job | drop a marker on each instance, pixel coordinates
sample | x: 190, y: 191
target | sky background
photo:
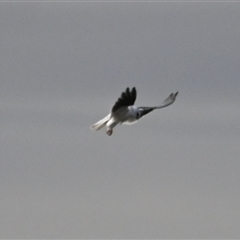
x: 174, y: 174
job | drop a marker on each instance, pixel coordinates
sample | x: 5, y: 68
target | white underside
x: 125, y: 115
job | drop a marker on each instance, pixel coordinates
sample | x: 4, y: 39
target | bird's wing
x: 168, y: 101
x: 127, y: 99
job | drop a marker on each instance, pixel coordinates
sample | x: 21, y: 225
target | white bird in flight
x: 124, y: 111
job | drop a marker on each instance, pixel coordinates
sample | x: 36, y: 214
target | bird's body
x: 124, y: 111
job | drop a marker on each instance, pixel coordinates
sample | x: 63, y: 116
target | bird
x: 125, y: 112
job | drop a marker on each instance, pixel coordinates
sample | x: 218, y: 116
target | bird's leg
x: 109, y: 131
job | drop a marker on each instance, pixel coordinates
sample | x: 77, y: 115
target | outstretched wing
x: 168, y: 101
x: 127, y: 99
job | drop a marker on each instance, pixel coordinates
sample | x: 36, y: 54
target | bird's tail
x: 100, y: 124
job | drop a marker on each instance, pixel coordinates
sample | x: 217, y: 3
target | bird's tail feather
x: 100, y: 124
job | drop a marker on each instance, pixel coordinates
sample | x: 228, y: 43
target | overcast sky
x: 174, y: 174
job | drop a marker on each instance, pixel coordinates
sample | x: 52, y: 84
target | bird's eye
x: 138, y: 115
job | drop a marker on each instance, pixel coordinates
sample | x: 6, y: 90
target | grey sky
x: 174, y: 174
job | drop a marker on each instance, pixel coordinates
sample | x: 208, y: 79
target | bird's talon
x: 109, y: 132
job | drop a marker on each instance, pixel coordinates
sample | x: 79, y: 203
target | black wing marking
x: 145, y: 110
x: 127, y: 99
